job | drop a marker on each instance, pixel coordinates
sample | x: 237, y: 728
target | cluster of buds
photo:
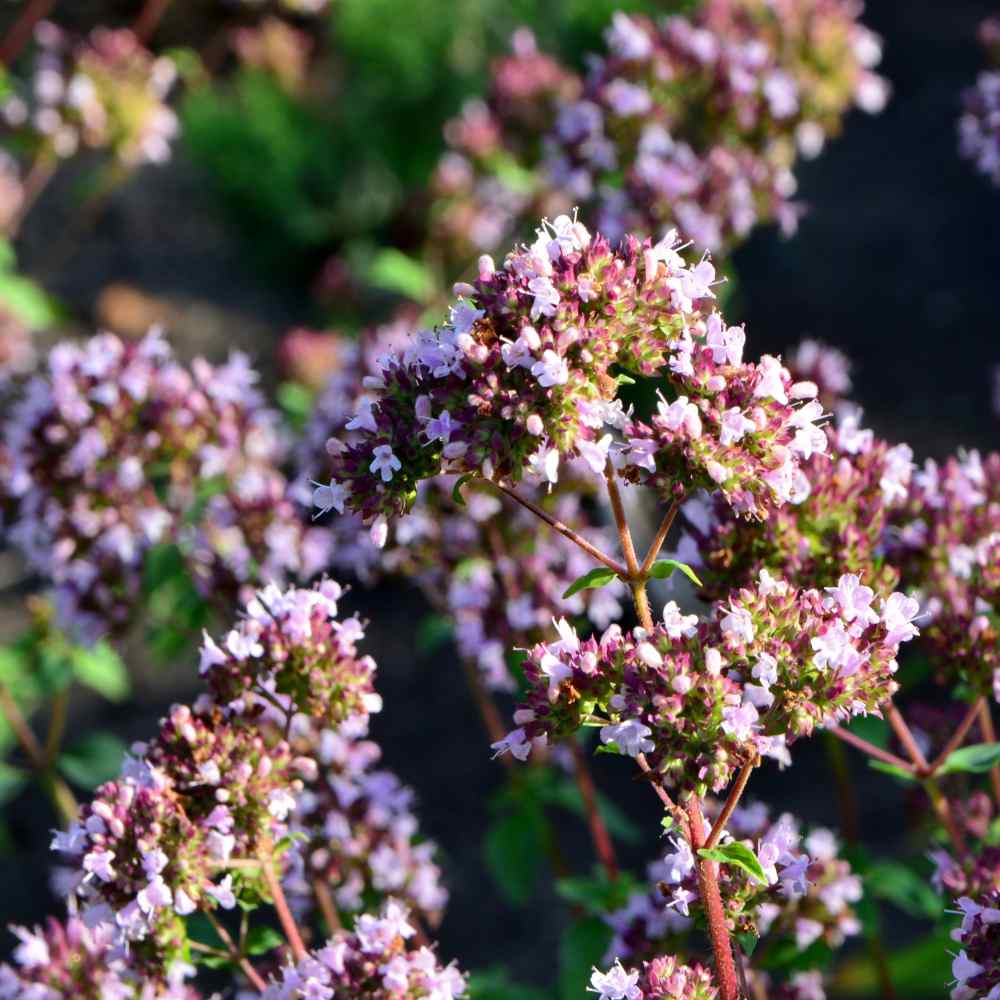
x: 521, y: 379
x: 188, y: 825
x: 947, y: 544
x: 976, y: 967
x: 702, y: 700
x: 359, y: 835
x: 375, y: 961
x: 979, y: 124
x: 74, y: 961
x: 498, y: 579
x: 661, y: 978
x: 807, y: 897
x: 117, y: 448
x: 291, y: 646
x: 107, y: 92
x: 693, y: 122
x: 853, y: 490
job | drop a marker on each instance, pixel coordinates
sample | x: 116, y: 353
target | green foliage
x: 905, y: 888
x: 296, y: 402
x: 96, y: 758
x: 175, y: 610
x: 393, y: 271
x: 595, y: 579
x: 597, y: 894
x: 515, y: 848
x: 664, y: 568
x: 495, y: 984
x: 262, y: 939
x: 919, y: 972
x: 896, y: 772
x: 976, y: 759
x: 581, y: 947
x: 101, y: 669
x: 12, y: 780
x: 29, y: 303
x: 738, y: 854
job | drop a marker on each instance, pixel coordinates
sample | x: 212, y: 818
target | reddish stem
x: 958, y: 737
x: 235, y: 954
x: 19, y: 33
x: 149, y: 19
x: 287, y: 921
x: 905, y: 736
x: 990, y: 736
x: 731, y: 802
x: 563, y: 529
x: 708, y: 886
x: 603, y: 844
x: 661, y: 536
x: 869, y: 748
x: 624, y: 535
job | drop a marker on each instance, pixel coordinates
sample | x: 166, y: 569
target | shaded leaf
x: 581, y: 947
x: 515, y: 848
x: 93, y: 760
x: 262, y: 939
x: 599, y: 577
x: 101, y: 669
x: 976, y: 759
x: 896, y: 772
x: 393, y: 271
x: 904, y: 888
x: 664, y: 568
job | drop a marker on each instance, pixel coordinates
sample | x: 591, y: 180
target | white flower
x: 631, y: 737
x: 551, y: 370
x: 384, y: 462
x: 615, y: 984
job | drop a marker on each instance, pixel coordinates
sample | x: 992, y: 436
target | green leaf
x: 515, y: 847
x: 597, y: 893
x: 599, y: 577
x: 562, y: 791
x: 581, y: 947
x: 918, y: 971
x: 896, y: 772
x: 737, y: 854
x: 432, y: 633
x: 296, y: 402
x: 262, y: 939
x: 748, y: 941
x: 101, y: 669
x: 93, y: 760
x: 394, y: 271
x: 29, y: 303
x: 664, y: 568
x: 872, y: 729
x: 495, y: 984
x: 904, y: 888
x: 456, y: 492
x: 976, y: 759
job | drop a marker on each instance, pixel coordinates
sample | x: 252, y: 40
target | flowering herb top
x: 118, y: 448
x: 701, y: 700
x: 376, y: 961
x: 948, y: 547
x: 663, y: 978
x: 524, y: 376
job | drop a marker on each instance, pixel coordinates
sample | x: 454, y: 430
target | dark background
x: 896, y: 263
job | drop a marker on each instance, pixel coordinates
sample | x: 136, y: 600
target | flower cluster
x: 703, y: 699
x: 361, y: 836
x: 107, y: 92
x: 498, y: 579
x: 522, y: 378
x: 118, y: 448
x: 852, y: 491
x: 808, y: 895
x: 662, y: 978
x: 947, y: 544
x: 373, y: 962
x: 977, y: 966
x: 292, y: 645
x: 692, y: 122
x: 979, y: 124
x: 169, y: 836
x: 74, y: 961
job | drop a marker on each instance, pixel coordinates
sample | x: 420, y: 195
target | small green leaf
x: 515, y: 847
x: 93, y: 760
x: 904, y: 888
x: 976, y: 759
x: 456, y: 492
x: 432, y: 633
x: 738, y: 854
x: 101, y: 669
x: 597, y: 894
x: 599, y: 577
x: 581, y: 947
x: 896, y: 772
x: 664, y: 568
x: 262, y: 939
x: 747, y: 941
x: 394, y: 271
x: 296, y: 402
